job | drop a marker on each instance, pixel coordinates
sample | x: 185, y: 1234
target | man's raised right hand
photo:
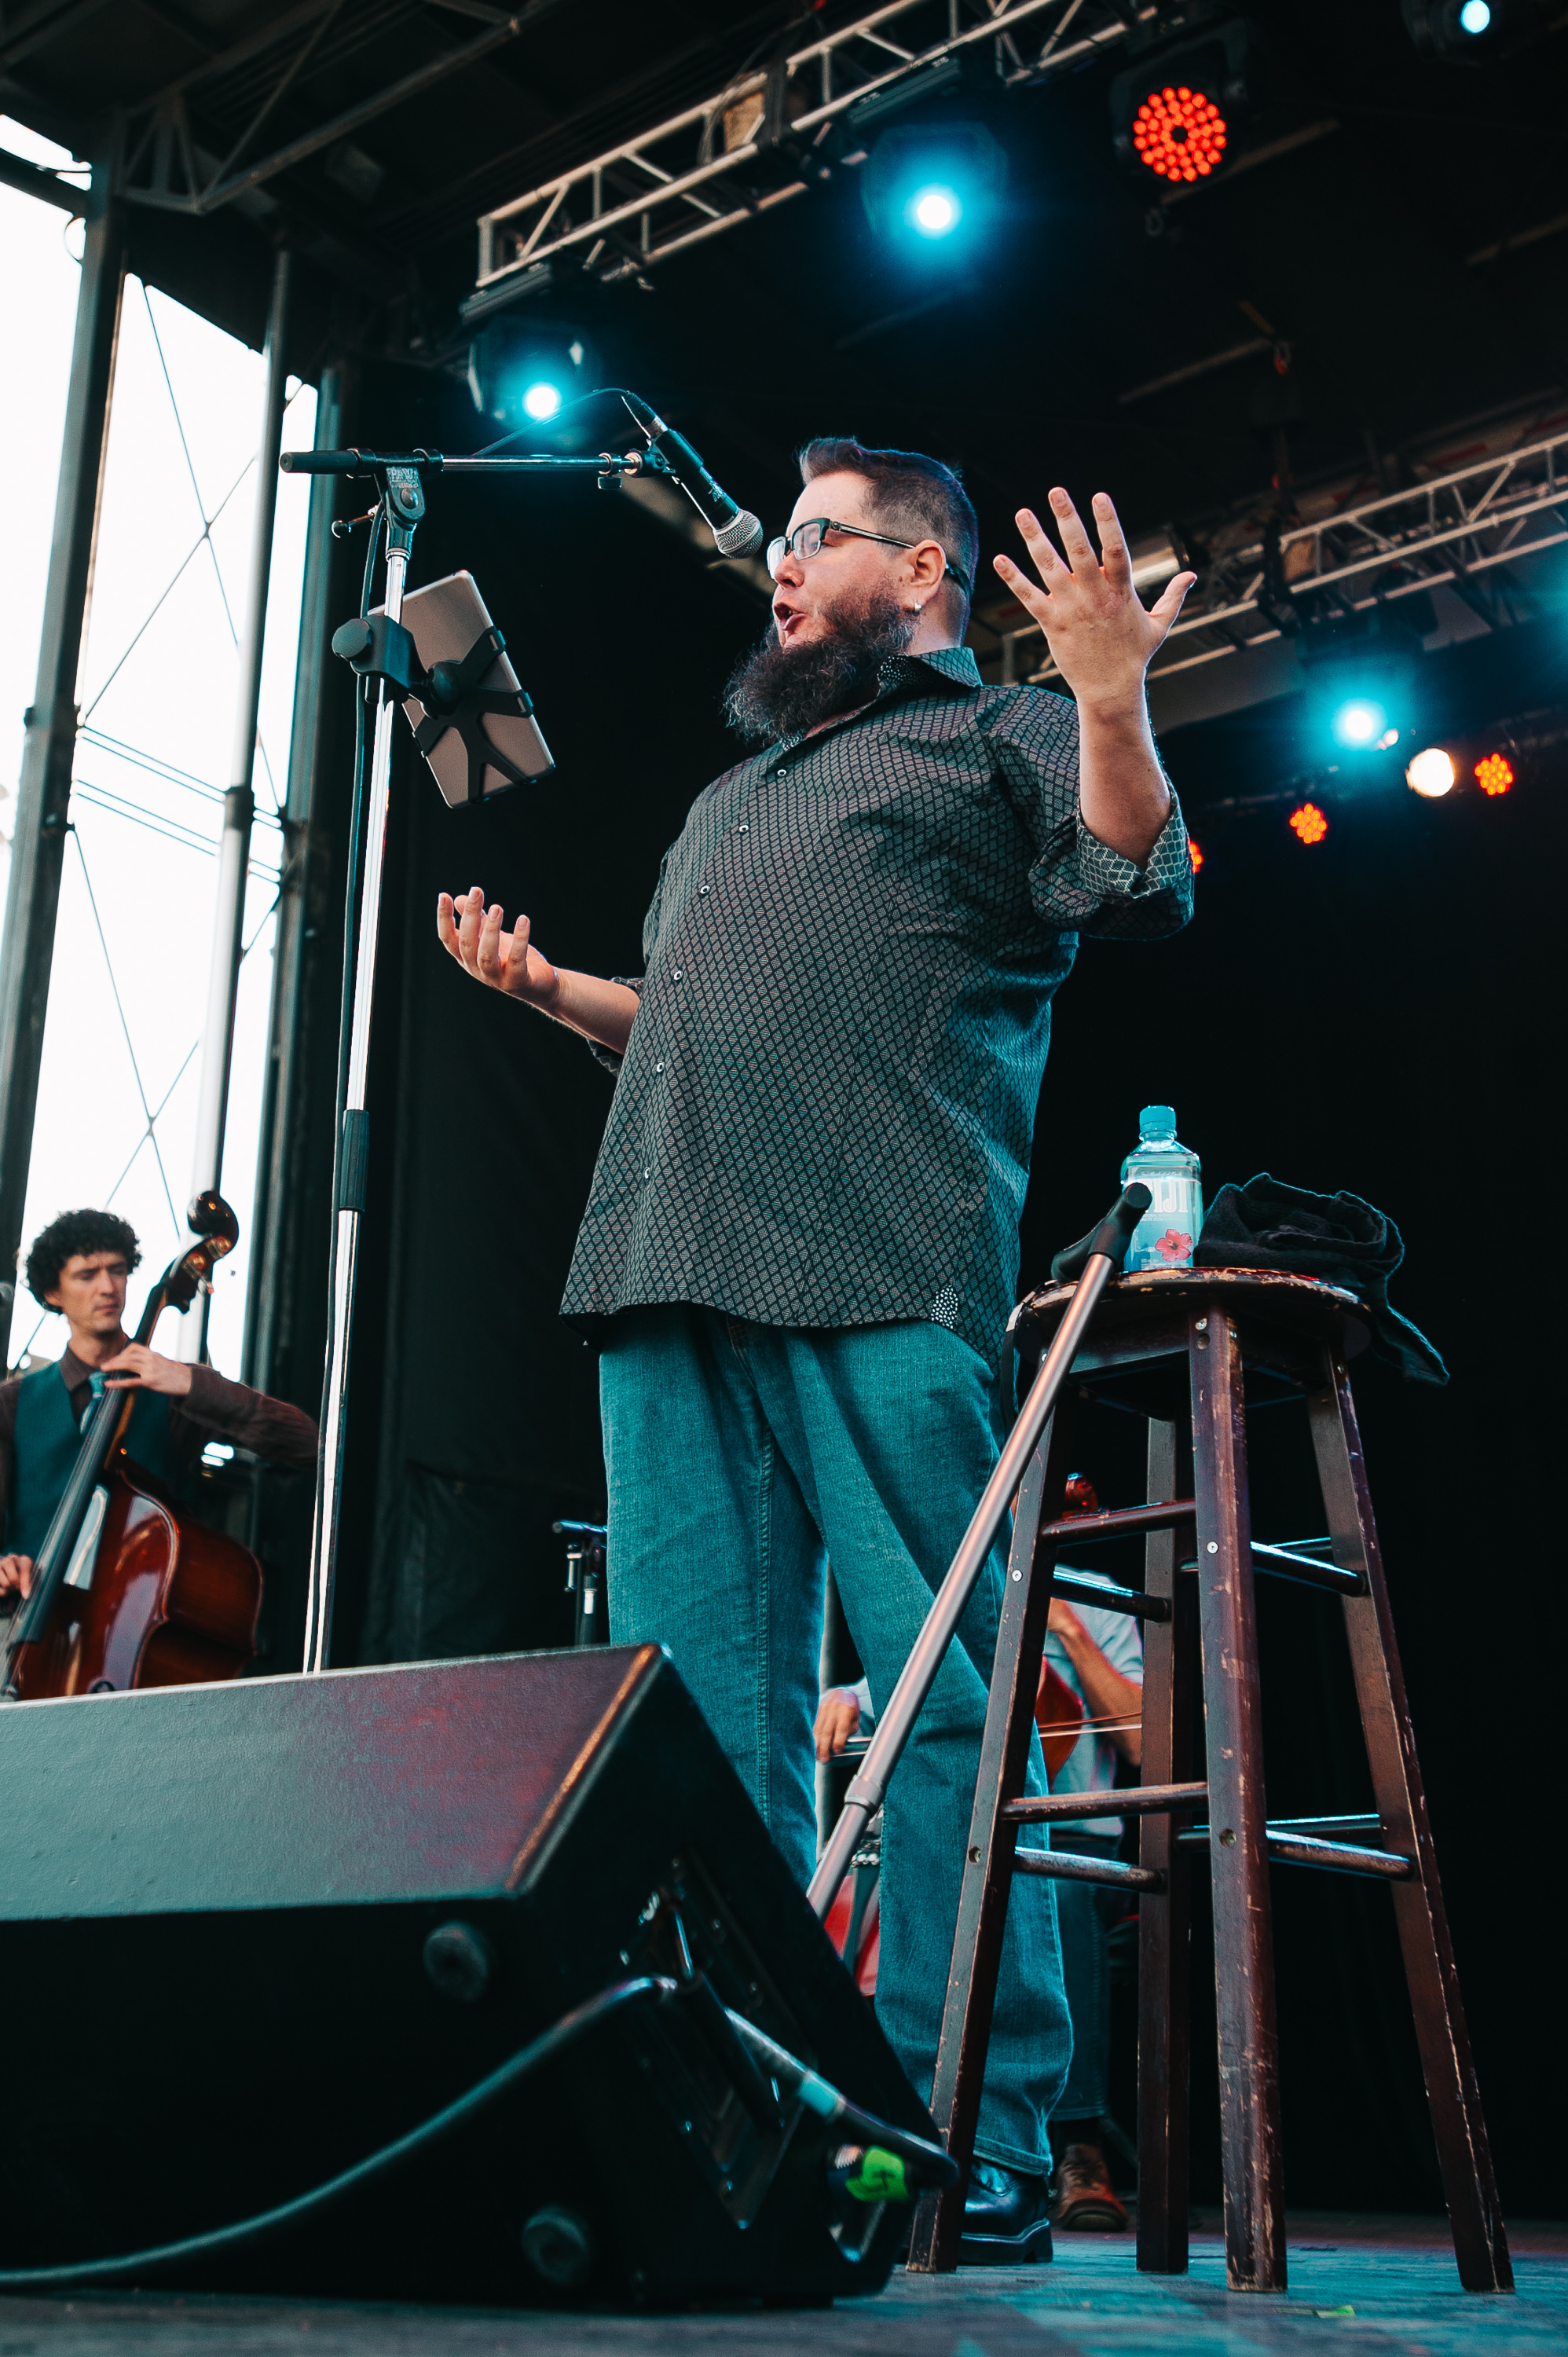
x: 504, y: 962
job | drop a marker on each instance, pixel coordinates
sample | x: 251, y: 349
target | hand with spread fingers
x: 507, y: 961
x: 1101, y: 635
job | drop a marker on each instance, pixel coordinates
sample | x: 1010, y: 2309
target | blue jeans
x: 740, y: 1457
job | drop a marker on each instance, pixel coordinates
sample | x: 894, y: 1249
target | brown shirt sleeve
x: 250, y: 1420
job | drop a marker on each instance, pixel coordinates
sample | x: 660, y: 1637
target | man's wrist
x: 1123, y: 704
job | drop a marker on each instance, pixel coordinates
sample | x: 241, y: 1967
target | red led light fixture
x: 1179, y: 134
x: 1494, y: 774
x: 1194, y: 854
x: 1309, y: 822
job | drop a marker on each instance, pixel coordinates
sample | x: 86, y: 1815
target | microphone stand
x: 399, y: 477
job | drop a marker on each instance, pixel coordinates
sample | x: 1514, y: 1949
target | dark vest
x: 47, y: 1444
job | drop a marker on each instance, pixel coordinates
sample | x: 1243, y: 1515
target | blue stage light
x: 541, y: 399
x: 1359, y: 721
x: 1475, y: 17
x: 935, y: 211
x: 936, y: 185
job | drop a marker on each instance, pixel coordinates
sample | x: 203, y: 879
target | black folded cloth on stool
x: 1338, y: 1239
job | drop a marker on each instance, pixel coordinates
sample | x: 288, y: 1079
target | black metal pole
x: 43, y: 794
x: 240, y: 801
x: 279, y: 1110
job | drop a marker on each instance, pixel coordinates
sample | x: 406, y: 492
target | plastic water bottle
x: 1166, y: 1235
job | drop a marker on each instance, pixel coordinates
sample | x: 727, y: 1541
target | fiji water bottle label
x: 1165, y: 1236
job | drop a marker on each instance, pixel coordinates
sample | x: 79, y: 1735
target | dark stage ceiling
x: 1399, y: 232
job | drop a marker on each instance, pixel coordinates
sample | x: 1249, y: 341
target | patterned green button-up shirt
x: 824, y: 1112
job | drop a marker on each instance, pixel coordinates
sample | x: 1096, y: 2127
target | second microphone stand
x: 400, y: 482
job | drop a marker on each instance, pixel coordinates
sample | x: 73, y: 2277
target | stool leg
x: 1164, y: 1918
x: 988, y: 1860
x: 1480, y: 2243
x: 1243, y: 1939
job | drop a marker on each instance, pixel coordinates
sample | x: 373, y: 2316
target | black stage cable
x: 560, y: 2034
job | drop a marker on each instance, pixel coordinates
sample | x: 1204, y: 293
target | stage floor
x: 1359, y: 2288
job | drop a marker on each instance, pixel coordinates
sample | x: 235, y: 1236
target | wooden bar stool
x: 1190, y: 1348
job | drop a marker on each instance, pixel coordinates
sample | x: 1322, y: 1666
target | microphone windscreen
x: 740, y: 536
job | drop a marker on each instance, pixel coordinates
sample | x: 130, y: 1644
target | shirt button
x: 744, y: 828
x: 679, y: 976
x: 648, y: 1174
x: 659, y: 1068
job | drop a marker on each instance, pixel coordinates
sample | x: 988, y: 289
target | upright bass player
x: 80, y: 1266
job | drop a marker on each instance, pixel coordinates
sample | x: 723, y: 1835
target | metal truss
x: 767, y: 136
x: 238, y: 93
x: 1457, y: 527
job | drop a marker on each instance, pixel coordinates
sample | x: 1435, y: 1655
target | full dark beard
x: 779, y: 691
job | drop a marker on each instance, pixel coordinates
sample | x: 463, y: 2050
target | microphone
x: 736, y: 531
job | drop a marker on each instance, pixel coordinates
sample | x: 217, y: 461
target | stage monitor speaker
x: 252, y: 1934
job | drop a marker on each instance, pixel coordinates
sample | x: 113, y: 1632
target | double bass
x: 128, y: 1588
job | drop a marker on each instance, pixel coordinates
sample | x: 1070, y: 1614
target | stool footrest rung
x: 1134, y: 1801
x: 1083, y: 1529
x: 1283, y: 1562
x: 1286, y: 1847
x: 1130, y: 1600
x: 1064, y: 1865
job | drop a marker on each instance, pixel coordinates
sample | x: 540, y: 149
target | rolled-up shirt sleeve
x: 1076, y: 882
x: 611, y: 1058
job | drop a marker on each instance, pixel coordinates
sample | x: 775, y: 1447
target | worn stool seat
x: 1195, y: 1351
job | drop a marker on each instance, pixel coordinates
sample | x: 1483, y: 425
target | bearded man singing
x: 801, y: 1244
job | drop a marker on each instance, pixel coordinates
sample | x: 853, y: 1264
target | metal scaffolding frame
x: 635, y: 205
x: 1456, y: 527
x: 43, y: 792
x: 275, y: 1141
x: 240, y: 801
x: 240, y: 88
x: 49, y: 785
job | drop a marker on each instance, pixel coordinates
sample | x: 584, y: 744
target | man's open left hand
x: 1101, y: 635
x: 138, y: 1368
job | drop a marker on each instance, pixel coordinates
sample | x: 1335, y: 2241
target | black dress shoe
x: 1007, y: 2221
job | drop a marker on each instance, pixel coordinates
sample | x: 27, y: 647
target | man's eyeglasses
x: 805, y: 541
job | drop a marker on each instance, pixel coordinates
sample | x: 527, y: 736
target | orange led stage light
x: 1179, y: 134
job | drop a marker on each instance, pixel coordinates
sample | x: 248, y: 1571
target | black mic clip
x: 613, y: 471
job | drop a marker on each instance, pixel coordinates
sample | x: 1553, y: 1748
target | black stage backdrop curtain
x: 475, y: 1414
x: 1366, y: 1014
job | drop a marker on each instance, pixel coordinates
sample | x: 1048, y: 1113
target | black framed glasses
x: 806, y: 541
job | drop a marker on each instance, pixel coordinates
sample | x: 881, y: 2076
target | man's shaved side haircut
x: 72, y: 1233
x: 911, y: 495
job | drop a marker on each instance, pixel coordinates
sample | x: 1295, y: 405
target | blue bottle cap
x: 1156, y: 1121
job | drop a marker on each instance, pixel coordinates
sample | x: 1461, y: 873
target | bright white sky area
x: 159, y: 674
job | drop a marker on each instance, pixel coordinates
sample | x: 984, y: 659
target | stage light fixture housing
x: 1180, y: 133
x: 525, y: 371
x: 1172, y: 111
x: 1432, y: 772
x: 932, y: 186
x: 1470, y: 32
x: 1359, y: 673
